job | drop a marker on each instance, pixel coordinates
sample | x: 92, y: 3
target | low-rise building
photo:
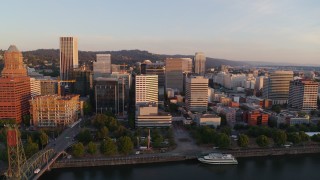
x: 208, y: 120
x: 147, y: 115
x: 298, y: 120
x: 256, y: 118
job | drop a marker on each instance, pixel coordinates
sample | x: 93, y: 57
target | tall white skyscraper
x: 200, y: 63
x: 68, y: 56
x: 102, y: 66
x: 197, y: 93
x: 146, y: 89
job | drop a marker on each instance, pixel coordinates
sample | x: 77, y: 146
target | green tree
x: 280, y: 137
x: 87, y: 108
x: 44, y: 139
x: 243, y: 140
x: 108, y: 147
x: 78, y: 149
x: 7, y: 121
x: 226, y: 130
x: 125, y: 145
x: 30, y: 148
x: 131, y: 119
x: 26, y: 120
x: 304, y: 137
x: 157, y: 142
x: 173, y: 107
x: 92, y: 148
x: 294, y: 138
x: 206, y: 135
x: 276, y: 108
x: 85, y: 136
x: 103, y: 133
x: 316, y: 138
x: 223, y: 140
x: 4, y: 154
x: 262, y: 141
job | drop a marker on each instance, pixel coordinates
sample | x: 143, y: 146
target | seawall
x: 158, y: 158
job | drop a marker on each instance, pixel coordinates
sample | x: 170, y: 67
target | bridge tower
x: 16, y: 156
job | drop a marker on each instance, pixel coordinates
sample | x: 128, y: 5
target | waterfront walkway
x: 169, y: 157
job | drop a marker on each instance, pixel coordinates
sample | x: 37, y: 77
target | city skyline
x: 264, y: 30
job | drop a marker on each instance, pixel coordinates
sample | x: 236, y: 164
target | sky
x: 252, y: 30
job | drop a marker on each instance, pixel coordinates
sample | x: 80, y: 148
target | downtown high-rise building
x: 110, y: 95
x: 200, y: 63
x: 102, y: 65
x: 175, y: 69
x: 14, y: 87
x: 276, y: 86
x: 197, y: 93
x: 303, y: 95
x: 146, y: 89
x: 157, y: 68
x: 68, y: 56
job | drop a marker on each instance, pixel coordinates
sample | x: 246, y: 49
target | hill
x: 49, y: 58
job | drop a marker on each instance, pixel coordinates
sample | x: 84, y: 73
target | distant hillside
x: 49, y: 58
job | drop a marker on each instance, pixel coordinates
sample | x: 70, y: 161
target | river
x: 291, y: 167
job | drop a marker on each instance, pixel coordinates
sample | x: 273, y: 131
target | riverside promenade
x: 173, y: 157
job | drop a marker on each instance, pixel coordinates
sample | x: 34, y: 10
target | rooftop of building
x: 13, y: 48
x: 148, y: 104
x: 209, y: 116
x: 306, y: 81
x: 67, y: 97
x: 282, y: 72
x: 147, y: 61
x: 255, y: 98
x: 106, y: 79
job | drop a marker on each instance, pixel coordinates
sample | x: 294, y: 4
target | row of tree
x: 108, y: 147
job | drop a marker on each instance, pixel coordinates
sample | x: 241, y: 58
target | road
x: 65, y: 140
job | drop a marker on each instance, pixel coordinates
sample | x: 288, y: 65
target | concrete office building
x: 303, y: 95
x: 102, y: 65
x: 68, y: 56
x: 276, y: 86
x: 200, y: 63
x: 48, y: 86
x: 109, y: 95
x: 84, y: 81
x: 146, y: 89
x: 175, y: 69
x: 147, y: 115
x: 15, y: 87
x: 35, y: 87
x: 156, y: 69
x: 197, y: 93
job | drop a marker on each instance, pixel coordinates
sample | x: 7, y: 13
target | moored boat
x: 218, y: 158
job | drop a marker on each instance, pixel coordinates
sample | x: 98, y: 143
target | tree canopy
x: 78, y: 150
x: 125, y: 145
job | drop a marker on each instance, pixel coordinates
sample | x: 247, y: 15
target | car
x: 36, y: 171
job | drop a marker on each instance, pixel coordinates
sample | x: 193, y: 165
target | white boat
x: 218, y: 158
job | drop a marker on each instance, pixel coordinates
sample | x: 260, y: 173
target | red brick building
x: 257, y: 118
x: 14, y: 86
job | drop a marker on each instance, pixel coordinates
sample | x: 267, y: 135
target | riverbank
x: 293, y: 167
x: 159, y: 158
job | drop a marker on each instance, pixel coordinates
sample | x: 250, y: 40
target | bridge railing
x: 36, y: 161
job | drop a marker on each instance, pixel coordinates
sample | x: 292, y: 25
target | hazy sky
x: 255, y: 30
